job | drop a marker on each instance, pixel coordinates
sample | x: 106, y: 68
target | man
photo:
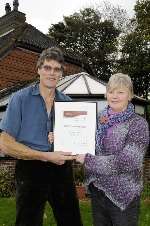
x: 41, y: 174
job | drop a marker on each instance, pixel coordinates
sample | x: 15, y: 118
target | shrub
x: 78, y: 175
x: 146, y: 191
x: 7, y: 184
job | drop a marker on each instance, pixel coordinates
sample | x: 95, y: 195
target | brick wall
x: 70, y: 69
x: 20, y: 65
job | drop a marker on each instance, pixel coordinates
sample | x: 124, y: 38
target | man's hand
x: 51, y: 137
x: 80, y: 158
x: 58, y: 157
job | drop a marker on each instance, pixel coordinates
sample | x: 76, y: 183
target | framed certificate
x: 75, y: 126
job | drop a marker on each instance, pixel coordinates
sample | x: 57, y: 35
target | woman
x: 114, y: 174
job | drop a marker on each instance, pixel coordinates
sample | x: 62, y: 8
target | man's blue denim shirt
x: 26, y: 118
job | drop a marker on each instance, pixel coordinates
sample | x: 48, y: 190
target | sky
x: 42, y: 14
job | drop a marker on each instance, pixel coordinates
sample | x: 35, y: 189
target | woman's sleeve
x: 129, y: 159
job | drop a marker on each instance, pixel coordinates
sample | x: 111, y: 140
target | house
x: 20, y: 45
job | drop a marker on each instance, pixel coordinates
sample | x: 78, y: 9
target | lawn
x: 7, y: 213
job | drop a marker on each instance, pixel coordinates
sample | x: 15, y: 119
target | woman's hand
x: 51, y: 137
x: 80, y: 158
x: 58, y: 157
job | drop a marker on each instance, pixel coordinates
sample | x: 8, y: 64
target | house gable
x: 20, y: 45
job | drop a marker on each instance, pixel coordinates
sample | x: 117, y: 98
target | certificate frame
x: 75, y: 127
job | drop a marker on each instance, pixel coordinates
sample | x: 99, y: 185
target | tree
x: 116, y: 14
x: 136, y: 50
x: 86, y: 34
x: 142, y: 12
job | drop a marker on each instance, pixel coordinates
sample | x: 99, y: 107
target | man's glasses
x: 48, y: 68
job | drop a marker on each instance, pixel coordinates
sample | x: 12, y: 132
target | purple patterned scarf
x: 107, y: 120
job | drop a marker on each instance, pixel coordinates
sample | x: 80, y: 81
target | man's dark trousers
x: 38, y: 182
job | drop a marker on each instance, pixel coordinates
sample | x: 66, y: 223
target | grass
x: 7, y: 213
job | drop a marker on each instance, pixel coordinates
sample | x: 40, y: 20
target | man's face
x: 50, y: 73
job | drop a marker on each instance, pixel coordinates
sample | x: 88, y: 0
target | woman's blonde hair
x: 120, y: 80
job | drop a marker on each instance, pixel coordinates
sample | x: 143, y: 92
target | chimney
x: 12, y: 19
x: 7, y: 8
x: 15, y: 5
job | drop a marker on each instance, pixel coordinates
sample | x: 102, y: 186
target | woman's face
x: 118, y: 98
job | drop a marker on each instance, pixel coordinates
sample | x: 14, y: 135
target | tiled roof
x: 5, y: 38
x: 25, y: 36
x: 7, y: 91
x: 36, y: 38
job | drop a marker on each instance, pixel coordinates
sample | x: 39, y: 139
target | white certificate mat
x: 75, y: 126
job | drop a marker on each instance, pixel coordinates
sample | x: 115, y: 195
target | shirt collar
x: 36, y: 91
